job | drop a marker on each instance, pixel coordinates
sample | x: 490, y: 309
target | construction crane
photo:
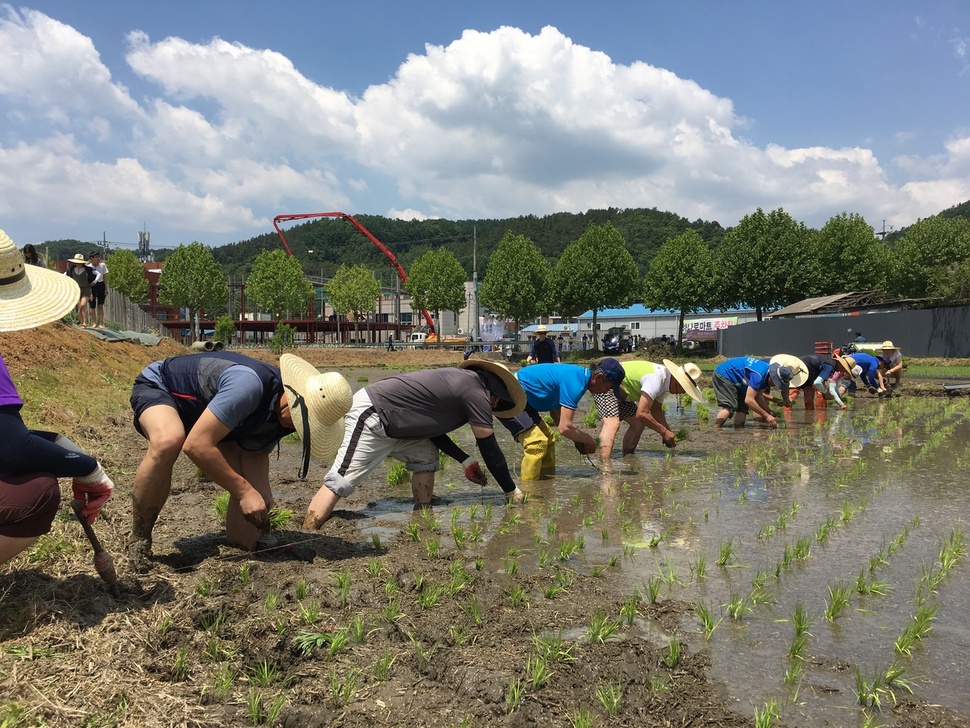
x: 361, y: 229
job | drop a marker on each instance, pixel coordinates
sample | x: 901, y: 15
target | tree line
x: 531, y: 266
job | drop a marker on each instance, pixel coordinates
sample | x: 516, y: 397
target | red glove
x: 473, y: 471
x: 92, y: 495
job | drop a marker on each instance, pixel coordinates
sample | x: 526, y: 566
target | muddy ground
x: 343, y: 627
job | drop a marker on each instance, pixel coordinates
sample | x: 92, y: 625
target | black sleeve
x: 495, y: 462
x: 449, y: 448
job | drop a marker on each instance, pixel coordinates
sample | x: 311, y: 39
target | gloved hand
x: 92, y: 492
x: 473, y: 471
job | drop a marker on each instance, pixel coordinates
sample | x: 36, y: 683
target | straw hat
x: 847, y: 363
x: 78, y: 259
x: 31, y: 295
x: 512, y: 385
x: 889, y: 345
x: 798, y: 369
x: 687, y: 377
x: 541, y: 329
x: 318, y: 402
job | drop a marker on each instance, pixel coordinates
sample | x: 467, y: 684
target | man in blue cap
x: 557, y: 389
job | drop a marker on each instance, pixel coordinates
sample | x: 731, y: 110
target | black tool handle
x: 92, y: 537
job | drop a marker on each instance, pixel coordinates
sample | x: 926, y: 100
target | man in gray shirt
x: 409, y: 416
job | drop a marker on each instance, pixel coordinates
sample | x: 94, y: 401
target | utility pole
x: 475, y: 328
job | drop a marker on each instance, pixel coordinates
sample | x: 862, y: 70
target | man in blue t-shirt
x: 557, y: 389
x: 740, y: 384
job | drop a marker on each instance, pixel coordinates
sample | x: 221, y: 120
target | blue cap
x: 613, y: 372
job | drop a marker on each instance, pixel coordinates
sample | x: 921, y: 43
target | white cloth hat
x: 31, y: 295
x: 508, y: 379
x: 797, y: 366
x: 318, y: 402
x: 687, y: 376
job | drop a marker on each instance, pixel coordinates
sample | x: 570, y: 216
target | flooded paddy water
x: 825, y: 560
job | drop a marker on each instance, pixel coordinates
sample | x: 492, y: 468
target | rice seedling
x: 223, y: 681
x: 919, y: 625
x: 628, y: 610
x: 552, y: 647
x: 280, y: 518
x: 280, y: 624
x: 581, y: 718
x: 510, y: 564
x: 700, y: 566
x: 479, y: 563
x: 542, y: 558
x: 341, y: 691
x: 671, y: 656
x: 432, y: 547
x: 473, y: 610
x: 597, y: 570
x: 726, y: 552
x: 358, y: 629
x: 537, y: 671
x: 474, y: 533
x: 629, y: 550
x: 792, y: 672
x: 737, y: 606
x: 375, y: 542
x: 254, y: 707
x: 838, y: 599
x: 706, y: 617
x: 341, y: 580
x: 488, y: 511
x: 306, y: 642
x: 374, y: 567
x: 391, y: 587
x: 301, y: 589
x: 430, y: 596
x: 180, y: 669
x: 513, y: 695
x: 601, y: 626
x: 338, y: 641
x: 414, y: 531
x: 382, y: 668
x: 221, y: 505
x: 213, y: 621
x: 460, y: 536
x: 564, y: 578
x: 797, y: 646
x: 767, y: 715
x: 264, y: 673
x: 577, y: 500
x: 869, y: 585
x: 244, y: 575
x: 610, y: 696
x: 204, y: 587
x: 430, y: 521
x: 551, y: 591
x: 398, y: 474
x: 517, y: 595
x: 801, y: 620
x: 392, y: 611
x: 458, y: 635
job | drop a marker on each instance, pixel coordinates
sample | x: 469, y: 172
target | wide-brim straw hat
x: 31, y: 295
x: 78, y: 259
x: 889, y: 345
x: 541, y: 329
x: 799, y: 370
x: 508, y: 379
x: 318, y: 402
x: 847, y: 363
x: 687, y: 376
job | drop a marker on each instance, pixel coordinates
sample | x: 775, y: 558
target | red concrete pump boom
x: 361, y: 229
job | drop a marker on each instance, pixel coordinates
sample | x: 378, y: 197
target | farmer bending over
x: 409, y: 416
x: 226, y: 412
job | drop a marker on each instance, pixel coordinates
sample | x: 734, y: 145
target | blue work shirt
x: 745, y: 371
x: 870, y: 365
x: 551, y: 386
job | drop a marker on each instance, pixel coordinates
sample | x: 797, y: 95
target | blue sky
x: 203, y: 120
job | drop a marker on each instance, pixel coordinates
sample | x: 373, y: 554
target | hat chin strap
x: 305, y: 417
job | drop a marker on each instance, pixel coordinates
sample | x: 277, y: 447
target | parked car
x: 611, y: 343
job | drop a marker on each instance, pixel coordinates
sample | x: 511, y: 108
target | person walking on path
x: 81, y: 273
x: 642, y: 403
x: 99, y: 290
x: 226, y: 412
x: 31, y: 461
x: 408, y: 417
x: 544, y: 349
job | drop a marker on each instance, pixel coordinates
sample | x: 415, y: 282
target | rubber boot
x: 535, y: 444
x: 548, y: 466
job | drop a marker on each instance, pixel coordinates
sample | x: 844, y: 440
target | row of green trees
x: 767, y: 261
